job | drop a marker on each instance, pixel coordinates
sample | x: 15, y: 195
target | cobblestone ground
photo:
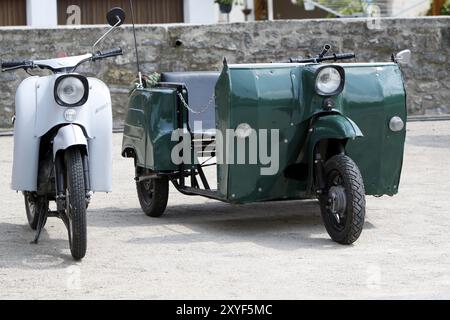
x: 207, y: 249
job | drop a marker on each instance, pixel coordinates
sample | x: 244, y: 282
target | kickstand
x: 41, y: 223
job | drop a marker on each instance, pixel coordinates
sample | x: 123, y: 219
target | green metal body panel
x: 372, y: 96
x: 151, y: 119
x: 283, y: 97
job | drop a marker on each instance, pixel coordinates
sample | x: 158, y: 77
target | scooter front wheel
x: 35, y: 206
x: 343, y: 205
x: 76, y: 204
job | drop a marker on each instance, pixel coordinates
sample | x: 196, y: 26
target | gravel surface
x: 204, y: 249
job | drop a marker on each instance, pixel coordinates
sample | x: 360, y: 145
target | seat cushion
x: 200, y: 86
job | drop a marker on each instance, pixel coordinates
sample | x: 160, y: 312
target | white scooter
x: 63, y: 140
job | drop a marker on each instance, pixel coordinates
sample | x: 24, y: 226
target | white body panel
x: 37, y: 113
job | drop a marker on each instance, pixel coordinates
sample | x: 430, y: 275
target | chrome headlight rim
x: 341, y: 72
x: 83, y: 99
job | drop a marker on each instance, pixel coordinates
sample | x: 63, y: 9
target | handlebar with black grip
x: 108, y: 53
x: 334, y: 57
x: 344, y: 56
x: 16, y: 64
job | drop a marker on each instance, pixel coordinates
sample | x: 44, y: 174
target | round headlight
x: 70, y: 90
x: 329, y: 81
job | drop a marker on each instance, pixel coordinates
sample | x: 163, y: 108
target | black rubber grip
x: 108, y: 53
x: 14, y: 64
x: 340, y: 56
x: 112, y: 52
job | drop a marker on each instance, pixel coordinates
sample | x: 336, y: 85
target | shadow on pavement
x: 16, y: 251
x: 281, y: 225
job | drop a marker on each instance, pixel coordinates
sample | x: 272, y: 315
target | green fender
x: 330, y: 126
x: 334, y: 126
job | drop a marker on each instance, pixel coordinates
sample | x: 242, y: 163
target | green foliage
x: 349, y: 7
x: 226, y: 2
x: 445, y: 10
x: 229, y: 2
x: 149, y: 81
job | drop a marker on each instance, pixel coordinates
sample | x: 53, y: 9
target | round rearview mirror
x: 403, y: 57
x: 115, y: 17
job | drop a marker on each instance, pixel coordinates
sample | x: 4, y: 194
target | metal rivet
x: 293, y: 76
x: 285, y: 140
x: 292, y: 124
x: 259, y: 189
x: 233, y: 195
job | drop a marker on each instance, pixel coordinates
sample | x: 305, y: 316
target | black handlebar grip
x: 108, y: 53
x: 112, y: 52
x: 14, y: 64
x: 345, y: 56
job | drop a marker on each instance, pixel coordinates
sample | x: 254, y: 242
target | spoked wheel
x: 35, y: 206
x: 153, y: 195
x: 343, y: 205
x: 76, y: 204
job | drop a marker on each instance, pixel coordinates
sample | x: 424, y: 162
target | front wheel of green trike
x: 153, y: 194
x: 343, y: 204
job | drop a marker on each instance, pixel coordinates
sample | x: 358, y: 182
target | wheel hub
x: 337, y: 202
x: 148, y: 185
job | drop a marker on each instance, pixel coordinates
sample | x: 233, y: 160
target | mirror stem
x: 108, y: 32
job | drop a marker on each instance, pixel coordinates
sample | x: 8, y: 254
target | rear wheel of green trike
x: 343, y: 203
x: 153, y: 194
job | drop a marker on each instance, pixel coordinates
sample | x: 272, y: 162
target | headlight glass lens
x: 328, y: 80
x: 70, y: 90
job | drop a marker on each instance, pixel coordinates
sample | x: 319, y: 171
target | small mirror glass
x: 115, y: 17
x: 403, y: 57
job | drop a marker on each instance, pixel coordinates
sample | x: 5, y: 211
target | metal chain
x: 192, y: 110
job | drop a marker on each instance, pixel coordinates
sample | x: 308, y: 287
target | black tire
x: 153, y: 195
x: 76, y: 204
x: 35, y: 206
x: 343, y: 205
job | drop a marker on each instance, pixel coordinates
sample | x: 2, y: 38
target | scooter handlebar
x: 17, y: 64
x: 333, y: 57
x: 108, y: 53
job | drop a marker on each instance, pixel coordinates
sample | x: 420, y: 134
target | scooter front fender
x: 334, y: 126
x: 326, y: 127
x: 68, y: 136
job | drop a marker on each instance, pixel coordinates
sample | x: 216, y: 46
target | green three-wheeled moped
x: 299, y: 129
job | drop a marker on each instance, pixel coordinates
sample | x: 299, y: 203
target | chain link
x: 192, y: 110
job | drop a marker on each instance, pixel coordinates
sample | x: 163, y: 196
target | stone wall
x: 204, y: 46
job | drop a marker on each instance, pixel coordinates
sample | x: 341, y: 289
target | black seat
x: 200, y: 86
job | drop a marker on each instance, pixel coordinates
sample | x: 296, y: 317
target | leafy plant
x: 229, y: 2
x: 445, y: 10
x: 348, y: 7
x: 224, y: 2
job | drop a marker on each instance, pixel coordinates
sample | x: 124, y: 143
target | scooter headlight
x: 330, y: 80
x: 71, y: 90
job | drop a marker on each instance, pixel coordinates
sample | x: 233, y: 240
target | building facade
x: 50, y: 13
